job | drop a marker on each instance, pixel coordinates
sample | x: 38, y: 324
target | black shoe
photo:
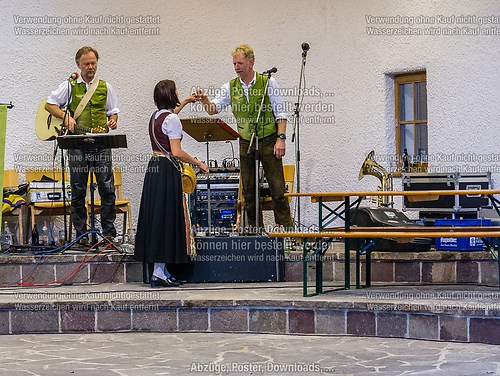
x: 179, y: 281
x: 84, y: 241
x: 110, y: 235
x: 158, y: 282
x: 82, y: 245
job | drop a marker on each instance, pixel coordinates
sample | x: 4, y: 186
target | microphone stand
x: 255, y: 136
x: 63, y: 166
x: 296, y: 128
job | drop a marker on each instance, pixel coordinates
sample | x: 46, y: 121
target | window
x: 411, y: 119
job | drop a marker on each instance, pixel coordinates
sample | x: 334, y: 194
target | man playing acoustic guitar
x: 96, y: 110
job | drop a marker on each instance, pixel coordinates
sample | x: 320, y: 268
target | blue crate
x: 460, y: 244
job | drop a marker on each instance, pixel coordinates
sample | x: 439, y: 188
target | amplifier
x: 48, y: 191
x: 224, y: 189
x: 220, y: 176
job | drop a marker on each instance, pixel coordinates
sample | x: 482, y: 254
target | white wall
x: 193, y: 49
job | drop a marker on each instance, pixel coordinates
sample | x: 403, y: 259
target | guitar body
x: 48, y: 127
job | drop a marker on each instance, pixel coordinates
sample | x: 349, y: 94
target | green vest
x: 245, y: 111
x: 94, y: 114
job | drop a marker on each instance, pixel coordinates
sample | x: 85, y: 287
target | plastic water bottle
x: 55, y: 236
x: 127, y: 246
x: 45, y: 234
x: 7, y: 237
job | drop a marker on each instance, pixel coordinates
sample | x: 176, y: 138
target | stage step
x: 438, y: 267
x: 441, y: 313
x: 28, y: 270
x: 434, y: 267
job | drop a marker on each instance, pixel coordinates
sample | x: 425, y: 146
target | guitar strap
x: 86, y: 98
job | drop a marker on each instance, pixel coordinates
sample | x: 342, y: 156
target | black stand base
x: 94, y: 234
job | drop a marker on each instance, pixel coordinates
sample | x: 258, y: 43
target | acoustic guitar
x: 48, y: 127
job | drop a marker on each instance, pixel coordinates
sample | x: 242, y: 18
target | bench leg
x: 358, y: 271
x: 304, y: 269
x: 368, y: 268
x: 347, y: 264
x: 498, y: 260
x: 319, y: 267
x: 347, y: 242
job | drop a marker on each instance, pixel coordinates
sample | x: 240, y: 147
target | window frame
x: 409, y: 78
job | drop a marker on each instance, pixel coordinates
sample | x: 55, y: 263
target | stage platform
x: 442, y: 296
x: 440, y: 313
x: 435, y: 267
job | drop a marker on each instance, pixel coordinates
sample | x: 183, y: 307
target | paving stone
x: 485, y: 330
x: 439, y: 272
x: 407, y: 272
x: 467, y: 272
x: 453, y: 328
x: 330, y: 322
x: 112, y: 320
x: 38, y: 274
x: 43, y: 319
x: 226, y: 320
x: 193, y: 319
x: 361, y: 323
x: 106, y: 273
x: 10, y: 274
x: 4, y: 322
x: 489, y: 273
x: 69, y: 273
x: 382, y: 271
x: 155, y: 320
x: 423, y: 326
x: 392, y: 325
x: 268, y: 321
x: 82, y: 320
x: 301, y: 321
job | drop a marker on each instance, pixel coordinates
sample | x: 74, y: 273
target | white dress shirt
x: 171, y: 126
x: 59, y: 96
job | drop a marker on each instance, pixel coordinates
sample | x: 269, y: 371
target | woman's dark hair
x: 165, y: 95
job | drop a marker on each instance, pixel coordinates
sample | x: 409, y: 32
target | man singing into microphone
x: 99, y: 114
x: 244, y: 93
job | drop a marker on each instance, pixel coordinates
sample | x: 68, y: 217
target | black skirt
x: 161, y: 228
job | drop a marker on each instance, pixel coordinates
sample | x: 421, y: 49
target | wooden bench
x: 319, y: 247
x: 349, y: 232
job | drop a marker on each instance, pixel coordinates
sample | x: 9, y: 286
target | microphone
x: 305, y: 48
x: 73, y: 76
x: 272, y: 70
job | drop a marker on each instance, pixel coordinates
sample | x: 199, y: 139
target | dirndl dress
x: 161, y: 228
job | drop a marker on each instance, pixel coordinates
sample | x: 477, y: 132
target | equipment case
x: 448, y: 181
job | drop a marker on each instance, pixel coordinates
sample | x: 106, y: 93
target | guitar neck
x: 82, y: 128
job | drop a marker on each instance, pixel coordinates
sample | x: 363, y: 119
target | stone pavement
x: 147, y: 354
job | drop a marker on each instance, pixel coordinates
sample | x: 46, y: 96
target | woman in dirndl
x: 161, y: 230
